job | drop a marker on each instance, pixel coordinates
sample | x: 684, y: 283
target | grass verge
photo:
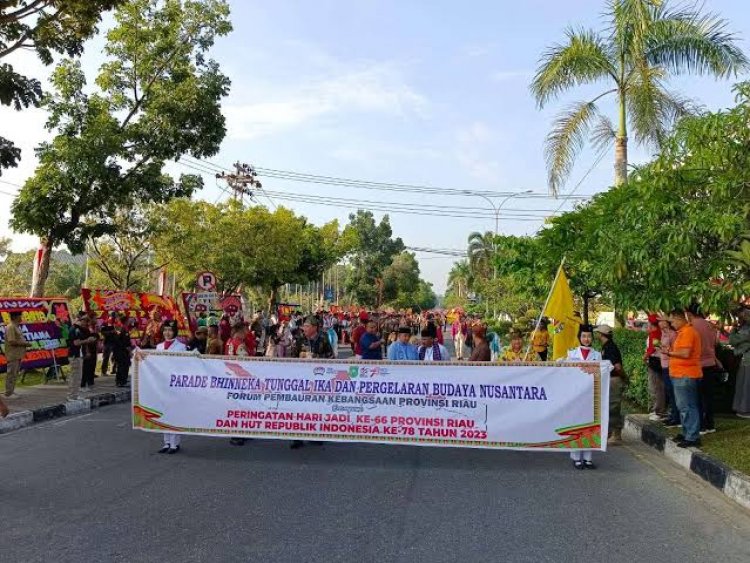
x: 730, y: 443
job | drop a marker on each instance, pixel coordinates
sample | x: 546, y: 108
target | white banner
x: 536, y: 407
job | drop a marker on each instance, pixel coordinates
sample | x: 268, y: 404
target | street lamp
x: 496, y: 208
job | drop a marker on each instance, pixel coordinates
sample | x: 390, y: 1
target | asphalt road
x: 89, y: 488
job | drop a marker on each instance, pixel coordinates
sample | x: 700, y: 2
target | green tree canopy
x: 46, y: 27
x: 244, y: 247
x: 371, y: 250
x: 158, y: 98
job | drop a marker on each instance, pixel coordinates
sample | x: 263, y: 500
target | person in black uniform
x: 121, y: 350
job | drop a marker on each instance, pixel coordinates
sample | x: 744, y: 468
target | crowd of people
x: 680, y: 354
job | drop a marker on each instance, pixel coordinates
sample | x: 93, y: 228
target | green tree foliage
x: 46, y: 27
x: 677, y: 232
x: 158, y: 98
x: 646, y: 42
x: 460, y: 285
x: 371, y: 250
x: 244, y: 247
x: 402, y: 286
x: 671, y: 231
x: 124, y: 260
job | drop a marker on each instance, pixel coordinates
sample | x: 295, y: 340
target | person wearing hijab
x: 171, y: 444
x: 584, y: 353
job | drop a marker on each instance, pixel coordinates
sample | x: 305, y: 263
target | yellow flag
x: 561, y: 309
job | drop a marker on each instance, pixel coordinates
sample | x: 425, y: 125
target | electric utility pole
x: 242, y: 181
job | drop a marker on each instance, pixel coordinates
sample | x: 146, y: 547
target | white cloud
x: 377, y: 88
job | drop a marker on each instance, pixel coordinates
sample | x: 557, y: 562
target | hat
x: 170, y: 324
x: 427, y: 333
x: 606, y: 330
x: 404, y: 330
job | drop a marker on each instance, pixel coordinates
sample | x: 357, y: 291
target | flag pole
x: 546, y: 302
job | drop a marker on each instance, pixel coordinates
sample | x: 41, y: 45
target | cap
x: 604, y: 329
x: 404, y: 330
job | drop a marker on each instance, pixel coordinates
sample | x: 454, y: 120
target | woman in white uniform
x: 170, y: 344
x: 584, y: 353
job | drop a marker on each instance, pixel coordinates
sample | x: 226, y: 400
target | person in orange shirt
x: 685, y: 372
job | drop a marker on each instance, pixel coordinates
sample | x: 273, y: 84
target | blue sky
x: 395, y: 91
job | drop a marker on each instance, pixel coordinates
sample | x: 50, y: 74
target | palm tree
x: 460, y: 279
x: 481, y: 253
x: 643, y: 46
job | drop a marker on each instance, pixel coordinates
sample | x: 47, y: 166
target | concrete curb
x: 48, y: 412
x: 734, y: 484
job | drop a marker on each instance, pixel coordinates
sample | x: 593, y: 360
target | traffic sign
x: 206, y: 281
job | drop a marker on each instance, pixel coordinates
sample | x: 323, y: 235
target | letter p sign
x: 206, y: 281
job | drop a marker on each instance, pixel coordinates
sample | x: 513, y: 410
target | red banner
x: 137, y: 306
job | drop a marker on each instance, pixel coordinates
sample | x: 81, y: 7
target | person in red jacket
x: 357, y: 334
x: 251, y: 342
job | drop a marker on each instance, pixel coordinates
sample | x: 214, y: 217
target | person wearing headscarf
x: 583, y: 353
x: 171, y: 444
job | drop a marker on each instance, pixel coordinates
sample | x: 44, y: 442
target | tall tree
x: 158, y: 98
x: 244, y: 247
x: 645, y: 43
x: 125, y: 258
x: 46, y: 27
x: 372, y: 249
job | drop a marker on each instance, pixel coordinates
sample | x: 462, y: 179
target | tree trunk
x: 272, y: 299
x: 621, y: 146
x: 621, y: 160
x: 41, y: 267
x: 586, y: 299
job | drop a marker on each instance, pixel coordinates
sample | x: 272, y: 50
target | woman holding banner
x: 170, y: 344
x: 584, y: 353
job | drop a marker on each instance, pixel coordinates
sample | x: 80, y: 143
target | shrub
x: 632, y: 344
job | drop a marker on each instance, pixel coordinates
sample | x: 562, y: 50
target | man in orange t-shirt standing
x: 686, y: 373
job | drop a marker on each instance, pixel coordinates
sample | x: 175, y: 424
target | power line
x: 541, y: 213
x: 11, y: 184
x: 391, y: 207
x: 212, y: 167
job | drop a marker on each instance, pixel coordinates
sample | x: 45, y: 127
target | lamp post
x: 496, y: 210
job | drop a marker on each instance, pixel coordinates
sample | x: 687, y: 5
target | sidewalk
x: 44, y: 402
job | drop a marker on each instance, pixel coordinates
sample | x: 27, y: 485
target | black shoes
x: 689, y: 444
x: 578, y: 464
x: 588, y: 464
x: 173, y: 450
x: 164, y: 449
x: 237, y: 441
x: 296, y: 444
